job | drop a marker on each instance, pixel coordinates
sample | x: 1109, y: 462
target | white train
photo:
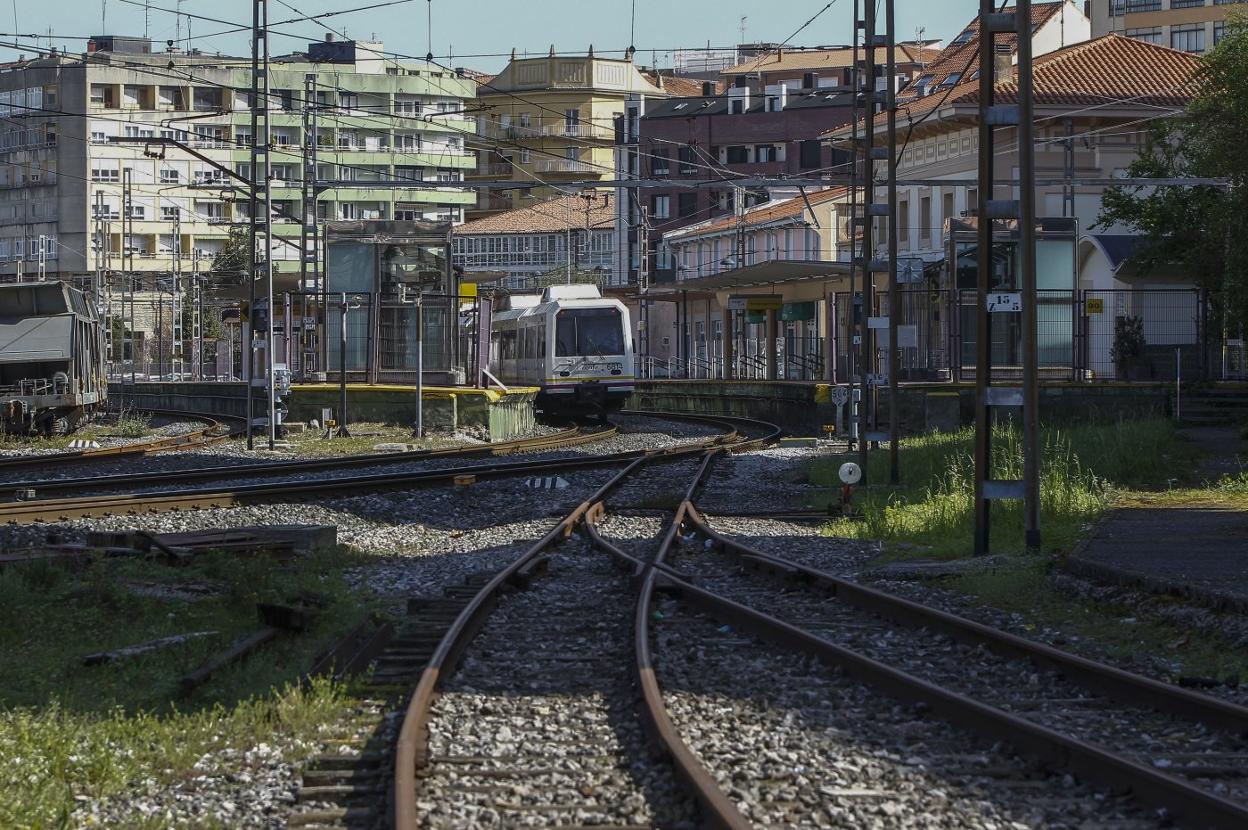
x: 571, y: 343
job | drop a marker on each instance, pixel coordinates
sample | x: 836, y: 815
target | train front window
x: 588, y: 331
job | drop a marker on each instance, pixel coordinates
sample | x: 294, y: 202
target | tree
x: 232, y: 262
x: 1199, y: 229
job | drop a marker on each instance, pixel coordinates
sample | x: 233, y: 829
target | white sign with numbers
x: 1008, y: 301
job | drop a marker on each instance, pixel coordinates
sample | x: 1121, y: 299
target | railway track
x: 564, y: 438
x: 1183, y: 753
x: 38, y: 510
x: 616, y: 783
x: 213, y: 431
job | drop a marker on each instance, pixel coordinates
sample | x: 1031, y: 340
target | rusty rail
x: 718, y: 810
x: 572, y: 436
x: 1180, y: 798
x: 213, y: 431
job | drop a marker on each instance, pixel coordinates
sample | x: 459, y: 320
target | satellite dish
x: 850, y: 473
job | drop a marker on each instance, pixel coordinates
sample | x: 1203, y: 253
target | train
x: 571, y: 343
x: 52, y: 361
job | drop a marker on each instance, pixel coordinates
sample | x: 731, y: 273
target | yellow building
x: 551, y: 120
x: 1186, y: 25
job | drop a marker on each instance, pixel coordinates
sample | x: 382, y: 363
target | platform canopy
x: 765, y: 274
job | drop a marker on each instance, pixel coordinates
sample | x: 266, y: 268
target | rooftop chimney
x: 708, y: 89
x: 1003, y: 62
x: 329, y: 37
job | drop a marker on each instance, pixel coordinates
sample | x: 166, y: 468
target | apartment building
x: 1186, y: 25
x: 716, y: 138
x: 549, y: 120
x: 1131, y: 82
x: 827, y: 68
x: 1053, y: 26
x: 515, y: 248
x: 70, y: 183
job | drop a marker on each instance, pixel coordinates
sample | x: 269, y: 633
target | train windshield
x: 588, y: 331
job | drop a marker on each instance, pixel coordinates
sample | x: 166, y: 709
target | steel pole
x: 270, y: 355
x: 246, y: 331
x: 865, y: 254
x: 983, y: 274
x: 894, y: 297
x: 1027, y: 261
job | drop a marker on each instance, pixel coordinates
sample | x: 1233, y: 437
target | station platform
x: 804, y: 407
x: 503, y: 415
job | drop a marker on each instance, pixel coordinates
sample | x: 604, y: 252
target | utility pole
x: 870, y: 211
x: 308, y: 248
x: 894, y: 296
x: 261, y: 199
x: 176, y: 355
x: 856, y: 381
x: 643, y: 284
x: 127, y: 266
x: 993, y: 299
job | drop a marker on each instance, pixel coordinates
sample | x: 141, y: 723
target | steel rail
x: 210, y: 433
x: 1168, y: 792
x: 411, y: 747
x: 1108, y: 680
x: 573, y: 436
x: 26, y: 512
x: 718, y: 810
x: 51, y: 510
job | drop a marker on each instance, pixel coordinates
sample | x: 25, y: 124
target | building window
x: 1147, y: 35
x: 347, y: 100
x: 737, y: 154
x: 105, y: 174
x: 346, y: 210
x: 136, y: 212
x: 766, y: 152
x: 925, y: 217
x: 1134, y: 6
x: 98, y: 136
x: 1117, y: 8
x: 810, y: 154
x: 685, y: 155
x: 169, y: 213
x: 903, y: 224
x: 1186, y: 4
x: 1188, y: 38
x: 687, y: 204
x: 168, y: 176
x: 659, y: 164
x: 660, y: 207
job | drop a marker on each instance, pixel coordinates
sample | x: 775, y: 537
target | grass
x: 67, y: 730
x: 131, y: 423
x: 310, y: 444
x: 1021, y: 585
x: 1082, y: 468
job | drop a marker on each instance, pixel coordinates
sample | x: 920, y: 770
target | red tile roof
x: 786, y: 60
x: 554, y: 216
x: 765, y: 214
x: 1101, y: 72
x: 679, y: 87
x: 962, y: 55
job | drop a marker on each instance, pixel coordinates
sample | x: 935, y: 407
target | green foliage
x: 1198, y: 230
x: 132, y: 424
x: 233, y: 261
x: 1128, y: 344
x: 559, y: 276
x: 1080, y: 468
x: 67, y: 730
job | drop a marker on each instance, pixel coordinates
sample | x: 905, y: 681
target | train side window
x: 508, y: 345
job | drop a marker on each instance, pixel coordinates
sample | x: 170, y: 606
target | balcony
x: 579, y: 130
x: 501, y: 168
x: 565, y: 166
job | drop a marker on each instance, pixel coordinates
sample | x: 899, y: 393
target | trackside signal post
x: 990, y: 299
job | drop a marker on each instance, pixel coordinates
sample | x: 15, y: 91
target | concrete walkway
x: 1197, y: 549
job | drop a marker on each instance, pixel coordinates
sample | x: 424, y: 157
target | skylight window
x: 951, y: 79
x: 964, y: 37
